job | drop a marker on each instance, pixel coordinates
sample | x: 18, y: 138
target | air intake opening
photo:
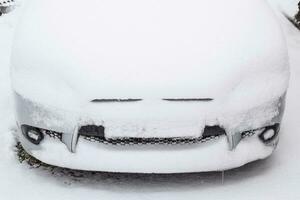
x: 92, y: 131
x: 213, y: 131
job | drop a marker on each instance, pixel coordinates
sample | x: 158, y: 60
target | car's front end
x: 148, y: 95
x: 77, y: 139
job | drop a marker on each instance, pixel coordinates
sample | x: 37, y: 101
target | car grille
x: 158, y: 141
x: 154, y: 141
x: 150, y: 141
x: 52, y: 134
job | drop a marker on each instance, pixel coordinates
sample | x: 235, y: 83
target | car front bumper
x: 72, y: 151
x: 212, y: 156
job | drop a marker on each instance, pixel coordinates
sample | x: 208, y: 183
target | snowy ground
x: 275, y: 178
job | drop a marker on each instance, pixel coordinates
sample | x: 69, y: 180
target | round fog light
x: 34, y: 135
x: 268, y: 134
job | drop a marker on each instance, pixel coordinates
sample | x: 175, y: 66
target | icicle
x: 223, y: 177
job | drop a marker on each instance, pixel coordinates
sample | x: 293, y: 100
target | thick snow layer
x: 275, y: 178
x: 173, y: 49
x: 163, y: 49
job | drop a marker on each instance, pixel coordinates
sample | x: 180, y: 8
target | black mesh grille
x: 52, y: 134
x: 250, y: 133
x: 159, y: 141
x: 150, y: 141
x: 211, y: 133
x: 95, y: 133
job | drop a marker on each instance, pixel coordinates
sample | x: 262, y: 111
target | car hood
x: 115, y: 49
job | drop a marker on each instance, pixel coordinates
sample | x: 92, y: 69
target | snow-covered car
x: 163, y: 86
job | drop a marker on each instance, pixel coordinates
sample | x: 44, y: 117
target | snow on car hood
x: 157, y: 49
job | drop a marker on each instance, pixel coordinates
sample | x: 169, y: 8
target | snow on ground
x: 288, y: 6
x: 275, y: 178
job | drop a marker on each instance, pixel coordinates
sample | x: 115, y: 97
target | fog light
x: 269, y: 134
x: 34, y: 135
